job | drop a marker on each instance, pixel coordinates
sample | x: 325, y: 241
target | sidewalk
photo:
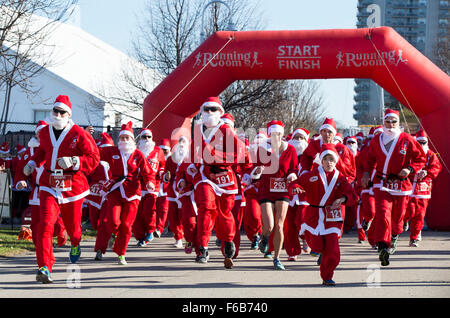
x: 163, y: 271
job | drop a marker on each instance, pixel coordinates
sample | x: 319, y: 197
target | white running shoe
x: 178, y: 244
x: 122, y: 260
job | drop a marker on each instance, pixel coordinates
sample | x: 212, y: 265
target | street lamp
x: 230, y: 27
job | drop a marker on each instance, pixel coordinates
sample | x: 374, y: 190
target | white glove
x: 67, y: 162
x: 29, y: 168
x: 21, y: 185
x: 192, y: 170
x: 150, y: 186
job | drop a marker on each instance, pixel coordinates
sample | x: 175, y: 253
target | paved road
x: 163, y: 271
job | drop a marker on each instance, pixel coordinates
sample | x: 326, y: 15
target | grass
x: 11, y: 246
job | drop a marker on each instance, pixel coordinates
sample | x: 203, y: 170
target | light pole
x: 231, y: 26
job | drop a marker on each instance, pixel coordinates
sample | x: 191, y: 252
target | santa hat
x: 105, y: 140
x: 20, y: 148
x: 4, y: 148
x: 41, y: 124
x: 275, y: 126
x: 338, y: 137
x: 370, y: 135
x: 350, y: 138
x: 165, y: 144
x: 213, y: 102
x: 228, y: 119
x: 127, y: 129
x: 378, y: 129
x: 63, y: 102
x: 392, y: 113
x: 359, y: 135
x: 316, y: 136
x: 328, y: 149
x: 421, y: 135
x: 302, y: 131
x: 329, y: 124
x: 145, y: 132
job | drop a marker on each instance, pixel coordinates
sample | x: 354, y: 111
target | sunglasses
x: 351, y: 142
x: 390, y: 121
x: 210, y: 109
x: 146, y: 137
x: 59, y: 111
x: 423, y: 142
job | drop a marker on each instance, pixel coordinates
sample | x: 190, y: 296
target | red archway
x: 380, y: 54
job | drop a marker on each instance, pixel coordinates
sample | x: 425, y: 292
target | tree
x: 25, y: 25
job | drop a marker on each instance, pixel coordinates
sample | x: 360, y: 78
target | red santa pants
x: 359, y: 220
x: 292, y: 225
x: 103, y: 231
x: 49, y: 214
x: 162, y: 211
x: 417, y: 208
x: 390, y: 210
x: 146, y: 217
x: 350, y: 217
x: 328, y: 246
x: 189, y: 220
x: 94, y: 215
x: 213, y: 208
x: 121, y: 216
x: 175, y: 224
x: 252, y: 215
x: 238, y: 215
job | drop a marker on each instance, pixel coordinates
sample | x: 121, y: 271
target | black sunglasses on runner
x: 210, y: 109
x: 422, y: 142
x: 146, y: 137
x: 390, y: 121
x: 351, y: 142
x: 59, y: 111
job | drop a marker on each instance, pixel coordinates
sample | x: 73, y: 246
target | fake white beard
x: 353, y: 148
x: 58, y: 122
x: 146, y: 146
x: 390, y: 133
x: 179, y: 153
x: 299, y: 145
x: 425, y: 148
x: 210, y: 120
x: 33, y: 142
x: 126, y: 147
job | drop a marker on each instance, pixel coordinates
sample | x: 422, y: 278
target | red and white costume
x: 321, y: 226
x: 391, y: 192
x: 421, y: 195
x: 162, y: 204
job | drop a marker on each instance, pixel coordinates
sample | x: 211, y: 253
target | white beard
x: 58, y: 122
x: 210, y: 120
x: 299, y: 145
x: 425, y: 148
x: 146, y: 146
x: 353, y: 148
x: 179, y: 153
x: 390, y: 133
x: 126, y: 148
x: 33, y: 142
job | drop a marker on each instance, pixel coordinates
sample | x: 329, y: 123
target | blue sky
x: 114, y: 21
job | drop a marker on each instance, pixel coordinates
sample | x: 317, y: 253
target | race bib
x: 96, y: 188
x: 278, y: 185
x: 423, y: 188
x: 394, y: 185
x: 333, y: 215
x: 223, y: 179
x: 60, y: 182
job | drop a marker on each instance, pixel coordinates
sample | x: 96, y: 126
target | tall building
x: 423, y: 23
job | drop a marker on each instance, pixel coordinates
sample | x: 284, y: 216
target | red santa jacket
x: 404, y: 152
x: 126, y: 172
x: 73, y: 141
x: 97, y: 180
x: 33, y: 179
x: 156, y: 161
x: 345, y: 164
x: 322, y: 189
x: 273, y: 183
x: 422, y: 188
x: 213, y: 157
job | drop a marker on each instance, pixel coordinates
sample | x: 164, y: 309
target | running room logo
x: 298, y: 57
x: 231, y: 59
x: 349, y: 59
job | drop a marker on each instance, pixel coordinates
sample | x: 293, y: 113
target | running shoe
x: 305, y: 248
x: 277, y: 264
x: 218, y: 243
x: 149, y: 237
x: 75, y: 252
x: 255, y: 241
x: 157, y: 234
x: 229, y: 249
x: 268, y: 255
x: 314, y: 254
x: 394, y: 239
x: 384, y: 257
x: 419, y: 238
x: 292, y: 258
x: 141, y: 243
x: 405, y: 226
x: 263, y: 245
x: 203, y: 255
x: 111, y: 241
x: 414, y: 243
x: 122, y: 260
x: 43, y: 275
x: 98, y: 255
x: 329, y: 282
x: 188, y: 248
x: 319, y: 260
x: 178, y: 244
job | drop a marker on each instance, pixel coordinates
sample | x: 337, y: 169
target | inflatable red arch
x: 380, y: 54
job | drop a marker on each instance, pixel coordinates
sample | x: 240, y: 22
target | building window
x: 41, y: 115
